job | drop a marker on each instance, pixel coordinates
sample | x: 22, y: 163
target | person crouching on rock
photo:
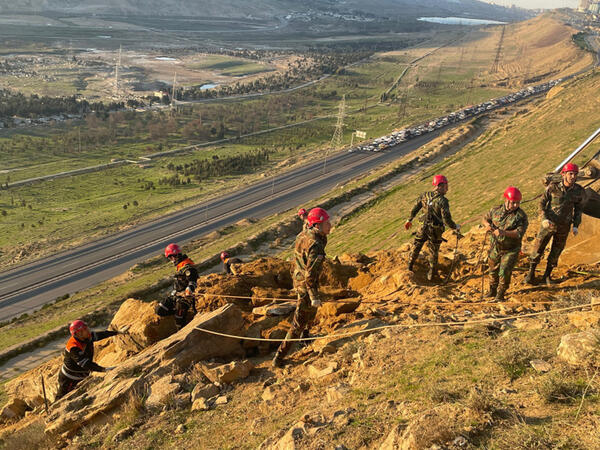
x: 227, y: 263
x: 436, y: 213
x: 79, y: 356
x: 181, y: 299
x: 507, y: 224
x: 309, y: 254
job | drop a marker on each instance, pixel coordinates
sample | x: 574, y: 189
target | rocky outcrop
x: 145, y: 328
x: 99, y: 396
x: 580, y: 349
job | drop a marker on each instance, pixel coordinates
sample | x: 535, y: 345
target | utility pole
x: 173, y: 94
x: 338, y: 134
x: 117, y: 73
x: 496, y: 63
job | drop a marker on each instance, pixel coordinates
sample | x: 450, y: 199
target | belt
x: 64, y: 369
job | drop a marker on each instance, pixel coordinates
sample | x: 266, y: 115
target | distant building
x: 584, y: 5
x: 594, y: 8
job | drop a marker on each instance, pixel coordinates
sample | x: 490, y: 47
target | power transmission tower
x: 173, y: 93
x: 496, y: 63
x: 338, y: 134
x: 117, y: 66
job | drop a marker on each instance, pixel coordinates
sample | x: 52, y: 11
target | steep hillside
x: 518, y: 152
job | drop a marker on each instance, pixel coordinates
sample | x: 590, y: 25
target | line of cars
x: 399, y: 136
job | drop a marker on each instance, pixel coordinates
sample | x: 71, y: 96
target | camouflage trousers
x: 501, y: 265
x: 304, y: 317
x: 559, y: 240
x: 432, y: 235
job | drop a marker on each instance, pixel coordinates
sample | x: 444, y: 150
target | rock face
x: 584, y: 319
x: 14, y: 409
x: 162, y: 390
x: 580, y: 349
x: 28, y: 386
x: 280, y: 309
x: 97, y: 396
x: 145, y: 328
x: 227, y: 373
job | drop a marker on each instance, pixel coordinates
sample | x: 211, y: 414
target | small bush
x: 514, y: 358
x: 558, y: 388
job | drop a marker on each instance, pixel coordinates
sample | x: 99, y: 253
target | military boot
x: 278, y: 361
x: 547, y: 278
x: 492, y: 292
x: 530, y: 277
x: 500, y: 293
x: 432, y: 275
x: 414, y: 255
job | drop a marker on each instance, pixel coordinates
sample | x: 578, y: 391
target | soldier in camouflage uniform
x: 560, y: 207
x: 181, y: 299
x: 436, y: 213
x: 507, y: 223
x: 303, y: 214
x: 309, y: 254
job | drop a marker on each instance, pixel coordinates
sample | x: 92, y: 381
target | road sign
x: 361, y: 134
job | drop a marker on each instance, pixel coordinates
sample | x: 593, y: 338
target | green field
x: 230, y: 66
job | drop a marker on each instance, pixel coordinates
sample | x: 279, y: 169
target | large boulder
x: 145, y: 328
x: 97, y: 397
x: 227, y: 373
x: 28, y: 386
x: 580, y: 349
x: 14, y: 410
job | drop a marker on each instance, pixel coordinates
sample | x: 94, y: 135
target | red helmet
x: 439, y: 179
x: 317, y: 215
x: 76, y: 326
x: 224, y: 256
x: 302, y: 212
x: 513, y: 194
x: 570, y: 167
x: 172, y: 250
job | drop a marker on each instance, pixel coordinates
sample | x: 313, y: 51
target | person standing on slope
x: 507, y: 224
x: 436, y: 213
x: 303, y: 214
x: 227, y: 263
x: 181, y: 299
x: 309, y: 254
x: 78, y: 356
x: 560, y: 207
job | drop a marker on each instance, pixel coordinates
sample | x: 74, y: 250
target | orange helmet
x: 439, y: 179
x: 513, y: 194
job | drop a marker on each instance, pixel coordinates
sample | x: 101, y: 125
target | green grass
x: 518, y: 152
x: 230, y: 66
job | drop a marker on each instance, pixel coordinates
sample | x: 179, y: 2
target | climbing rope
x: 416, y: 325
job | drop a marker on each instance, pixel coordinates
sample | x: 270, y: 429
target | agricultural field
x: 44, y: 217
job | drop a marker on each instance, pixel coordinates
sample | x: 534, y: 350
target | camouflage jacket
x: 562, y: 205
x: 309, y: 254
x: 436, y: 210
x: 505, y: 220
x: 186, y: 275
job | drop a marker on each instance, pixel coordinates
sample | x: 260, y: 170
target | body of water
x: 459, y: 21
x: 165, y: 58
x: 208, y: 86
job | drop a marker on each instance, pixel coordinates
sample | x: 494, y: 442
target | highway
x: 30, y: 286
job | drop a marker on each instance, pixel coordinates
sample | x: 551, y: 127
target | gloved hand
x: 407, y: 225
x: 547, y: 224
x: 575, y: 231
x: 123, y: 330
x: 173, y: 293
x: 188, y: 291
x: 315, y: 302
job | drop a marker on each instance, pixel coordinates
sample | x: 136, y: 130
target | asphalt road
x: 28, y: 287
